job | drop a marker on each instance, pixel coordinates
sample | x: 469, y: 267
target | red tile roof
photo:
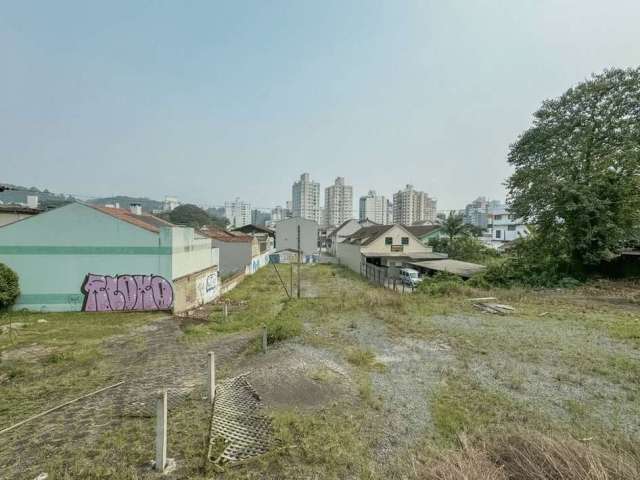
x: 146, y: 221
x: 224, y: 235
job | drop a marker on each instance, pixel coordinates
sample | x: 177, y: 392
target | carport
x: 457, y: 267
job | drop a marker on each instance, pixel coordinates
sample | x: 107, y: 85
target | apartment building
x: 238, y: 213
x: 411, y: 206
x: 338, y: 202
x: 305, y: 196
x: 375, y: 208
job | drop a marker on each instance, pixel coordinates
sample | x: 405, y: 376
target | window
x: 497, y: 217
x: 405, y: 240
x: 511, y: 228
x: 388, y: 240
x: 498, y: 232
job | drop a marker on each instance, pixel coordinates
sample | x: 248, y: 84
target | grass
x: 562, y: 367
x: 57, y: 359
x: 462, y: 405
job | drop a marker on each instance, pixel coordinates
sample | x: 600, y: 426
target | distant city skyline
x: 220, y: 100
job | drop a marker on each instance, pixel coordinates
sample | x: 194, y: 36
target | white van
x: 410, y: 277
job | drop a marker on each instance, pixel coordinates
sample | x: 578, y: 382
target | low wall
x: 193, y: 290
x: 232, y: 282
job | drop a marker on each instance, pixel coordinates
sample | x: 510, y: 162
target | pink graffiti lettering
x: 96, y: 298
x: 104, y: 293
x: 127, y: 286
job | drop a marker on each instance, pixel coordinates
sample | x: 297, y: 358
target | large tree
x: 577, y: 169
x: 193, y: 216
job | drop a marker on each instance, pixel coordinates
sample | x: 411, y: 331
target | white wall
x: 190, y: 253
x: 234, y: 256
x: 287, y: 235
x: 349, y: 255
x: 396, y: 233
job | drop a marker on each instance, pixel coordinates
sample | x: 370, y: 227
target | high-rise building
x: 476, y: 213
x: 260, y: 217
x: 338, y: 202
x: 238, y: 213
x: 305, y: 198
x: 376, y: 208
x: 411, y: 206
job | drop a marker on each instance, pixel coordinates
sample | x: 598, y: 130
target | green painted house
x: 426, y: 232
x: 83, y: 257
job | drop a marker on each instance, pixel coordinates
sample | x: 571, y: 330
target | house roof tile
x: 146, y: 221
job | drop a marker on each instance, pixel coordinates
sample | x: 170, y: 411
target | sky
x: 210, y: 100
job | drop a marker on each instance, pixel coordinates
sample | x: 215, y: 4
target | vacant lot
x: 361, y: 382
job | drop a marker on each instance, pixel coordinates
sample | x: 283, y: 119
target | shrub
x: 442, y: 283
x: 465, y: 248
x: 531, y: 262
x: 9, y: 288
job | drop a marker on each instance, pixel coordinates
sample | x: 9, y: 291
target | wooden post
x: 264, y: 338
x: 225, y: 310
x: 161, y: 432
x: 211, y: 378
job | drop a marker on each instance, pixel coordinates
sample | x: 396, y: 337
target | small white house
x: 344, y: 230
x: 503, y: 227
x: 386, y: 246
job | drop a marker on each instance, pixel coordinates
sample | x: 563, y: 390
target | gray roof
x: 464, y: 269
x: 366, y: 235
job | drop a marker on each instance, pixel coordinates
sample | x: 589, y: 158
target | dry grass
x: 533, y: 456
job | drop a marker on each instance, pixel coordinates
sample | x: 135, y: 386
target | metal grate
x: 238, y: 429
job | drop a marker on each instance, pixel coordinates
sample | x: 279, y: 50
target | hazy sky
x: 212, y: 100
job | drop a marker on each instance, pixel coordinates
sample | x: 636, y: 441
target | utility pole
x: 299, y: 255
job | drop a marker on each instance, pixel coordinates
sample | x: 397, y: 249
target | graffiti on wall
x: 211, y: 282
x: 104, y: 293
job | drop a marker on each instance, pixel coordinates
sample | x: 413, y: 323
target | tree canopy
x: 193, y: 216
x: 577, y: 169
x: 454, y: 225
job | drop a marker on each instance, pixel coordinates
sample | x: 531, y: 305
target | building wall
x: 10, y: 217
x: 347, y: 230
x: 234, y: 256
x: 53, y: 252
x: 190, y: 252
x: 349, y: 255
x: 287, y: 235
x: 196, y: 289
x: 259, y: 261
x: 58, y: 253
x: 396, y: 233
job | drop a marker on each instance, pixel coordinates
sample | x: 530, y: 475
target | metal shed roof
x: 464, y: 269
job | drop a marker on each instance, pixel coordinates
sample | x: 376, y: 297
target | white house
x: 388, y: 246
x: 503, y: 227
x: 344, y: 230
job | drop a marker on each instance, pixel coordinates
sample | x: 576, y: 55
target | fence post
x: 161, y: 432
x: 264, y: 338
x: 225, y: 309
x: 211, y: 378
